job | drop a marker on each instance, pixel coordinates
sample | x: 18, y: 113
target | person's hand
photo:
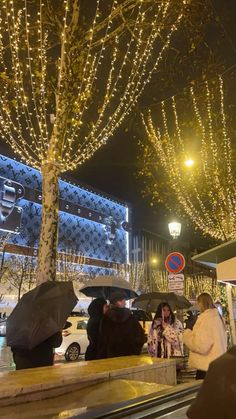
x: 156, y: 324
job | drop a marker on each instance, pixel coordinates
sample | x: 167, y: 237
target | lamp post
x: 174, y: 229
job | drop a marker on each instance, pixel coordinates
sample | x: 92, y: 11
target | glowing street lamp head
x: 189, y: 162
x: 154, y: 261
x: 174, y: 229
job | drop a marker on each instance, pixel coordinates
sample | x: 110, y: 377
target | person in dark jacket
x: 216, y: 398
x: 96, y: 310
x: 120, y: 332
x: 40, y: 356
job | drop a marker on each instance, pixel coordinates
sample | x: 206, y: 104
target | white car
x: 3, y: 328
x: 75, y: 340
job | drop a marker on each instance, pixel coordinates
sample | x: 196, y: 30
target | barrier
x: 42, y: 383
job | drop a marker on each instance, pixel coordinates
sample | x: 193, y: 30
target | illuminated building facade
x: 90, y: 223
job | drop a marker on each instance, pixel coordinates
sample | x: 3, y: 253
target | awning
x: 217, y: 254
x: 223, y: 258
x: 226, y: 271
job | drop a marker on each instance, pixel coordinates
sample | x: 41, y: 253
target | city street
x: 6, y: 362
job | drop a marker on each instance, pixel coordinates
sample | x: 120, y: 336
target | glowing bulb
x: 189, y: 162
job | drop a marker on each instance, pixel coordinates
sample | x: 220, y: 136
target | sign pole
x: 174, y: 264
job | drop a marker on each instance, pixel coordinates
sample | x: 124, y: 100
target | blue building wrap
x: 90, y: 223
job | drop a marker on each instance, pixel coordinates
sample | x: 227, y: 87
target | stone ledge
x: 41, y: 383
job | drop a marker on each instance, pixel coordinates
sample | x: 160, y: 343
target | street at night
x: 117, y: 209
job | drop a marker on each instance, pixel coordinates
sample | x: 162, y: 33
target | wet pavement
x: 6, y: 361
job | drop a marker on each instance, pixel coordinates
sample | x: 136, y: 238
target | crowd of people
x: 114, y: 331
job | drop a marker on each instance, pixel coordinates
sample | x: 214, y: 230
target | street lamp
x: 152, y: 271
x: 154, y: 261
x: 174, y: 229
x: 189, y: 162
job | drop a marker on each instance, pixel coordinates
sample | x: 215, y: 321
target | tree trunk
x: 21, y: 282
x: 46, y: 269
x: 19, y: 291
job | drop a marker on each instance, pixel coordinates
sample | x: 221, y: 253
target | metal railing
x: 152, y: 406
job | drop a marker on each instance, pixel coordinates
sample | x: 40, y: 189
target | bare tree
x: 70, y: 72
x: 3, y: 243
x: 20, y: 273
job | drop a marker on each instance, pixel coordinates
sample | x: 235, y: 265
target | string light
x: 70, y: 137
x: 205, y: 193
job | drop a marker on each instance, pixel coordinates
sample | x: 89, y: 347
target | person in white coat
x: 164, y: 338
x: 208, y: 340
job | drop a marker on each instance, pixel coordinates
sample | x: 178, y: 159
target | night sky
x: 113, y: 169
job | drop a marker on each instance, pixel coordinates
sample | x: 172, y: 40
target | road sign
x: 175, y: 262
x: 176, y: 283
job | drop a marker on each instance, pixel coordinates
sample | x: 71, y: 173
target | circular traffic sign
x: 175, y: 262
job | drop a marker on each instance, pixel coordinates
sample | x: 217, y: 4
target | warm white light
x: 49, y: 137
x: 174, y: 229
x: 189, y: 162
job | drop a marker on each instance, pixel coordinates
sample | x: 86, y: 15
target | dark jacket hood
x: 95, y: 309
x: 119, y: 315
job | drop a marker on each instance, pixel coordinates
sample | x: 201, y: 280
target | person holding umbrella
x: 34, y: 326
x: 165, y: 335
x: 120, y: 332
x: 40, y: 356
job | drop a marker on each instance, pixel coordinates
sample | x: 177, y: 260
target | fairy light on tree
x: 204, y: 191
x: 68, y: 81
x: 133, y: 273
x: 70, y: 265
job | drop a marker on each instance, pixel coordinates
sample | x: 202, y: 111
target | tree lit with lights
x: 68, y: 80
x: 202, y: 187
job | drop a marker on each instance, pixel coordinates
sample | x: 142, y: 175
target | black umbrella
x: 151, y: 300
x: 104, y: 285
x: 40, y: 313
